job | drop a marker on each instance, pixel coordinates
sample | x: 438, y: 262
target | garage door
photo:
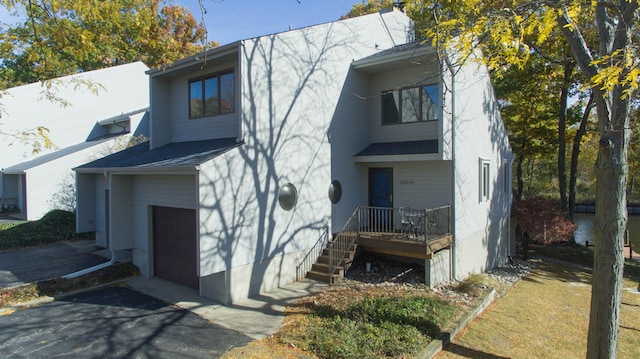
x: 174, y: 245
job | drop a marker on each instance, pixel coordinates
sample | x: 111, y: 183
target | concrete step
x: 323, y: 277
x: 324, y: 268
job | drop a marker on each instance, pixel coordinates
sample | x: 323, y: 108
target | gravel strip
x: 391, y: 274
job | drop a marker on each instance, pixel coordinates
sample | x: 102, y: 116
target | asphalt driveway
x: 40, y: 263
x: 113, y: 322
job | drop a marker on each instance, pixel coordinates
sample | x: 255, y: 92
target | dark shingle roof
x: 179, y: 154
x: 400, y: 148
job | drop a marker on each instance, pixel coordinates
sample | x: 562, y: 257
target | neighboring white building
x: 88, y: 113
x: 229, y: 196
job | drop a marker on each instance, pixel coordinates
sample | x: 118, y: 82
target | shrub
x: 56, y: 225
x: 543, y: 221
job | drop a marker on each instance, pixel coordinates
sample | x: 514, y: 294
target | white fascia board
x: 393, y: 57
x: 13, y: 172
x: 141, y: 171
x: 398, y: 158
x: 209, y: 55
x: 123, y: 117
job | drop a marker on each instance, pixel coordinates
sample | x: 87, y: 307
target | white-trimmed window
x: 485, y: 179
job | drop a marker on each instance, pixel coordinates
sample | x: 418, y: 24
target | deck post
x: 449, y: 230
x: 427, y: 272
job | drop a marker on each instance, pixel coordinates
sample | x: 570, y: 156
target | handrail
x: 343, y: 241
x: 313, y: 254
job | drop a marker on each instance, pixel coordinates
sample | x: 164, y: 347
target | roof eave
x: 140, y: 170
x: 198, y: 58
x: 408, y: 54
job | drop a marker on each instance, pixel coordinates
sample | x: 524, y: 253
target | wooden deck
x: 397, y: 244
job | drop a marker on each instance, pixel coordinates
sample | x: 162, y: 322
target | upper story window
x: 212, y: 95
x: 415, y: 104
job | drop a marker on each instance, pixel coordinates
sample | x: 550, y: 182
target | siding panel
x: 409, y: 77
x: 185, y: 129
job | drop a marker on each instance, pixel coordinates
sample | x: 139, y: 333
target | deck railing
x: 393, y: 223
x: 406, y: 223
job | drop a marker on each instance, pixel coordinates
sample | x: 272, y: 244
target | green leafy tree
x: 609, y: 64
x: 63, y: 37
x: 368, y: 7
x: 529, y: 108
x: 56, y: 38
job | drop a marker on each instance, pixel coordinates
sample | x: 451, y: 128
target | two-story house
x: 84, y: 116
x: 260, y: 150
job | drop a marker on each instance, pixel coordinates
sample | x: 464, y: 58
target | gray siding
x: 86, y: 202
x: 170, y: 110
x: 101, y: 185
x: 163, y: 190
x: 121, y: 217
x: 160, y: 124
x: 409, y: 77
x: 185, y: 129
x: 480, y: 226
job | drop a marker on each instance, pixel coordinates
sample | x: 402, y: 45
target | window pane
x: 211, y: 95
x: 195, y: 99
x: 390, y: 110
x: 410, y: 105
x: 485, y: 181
x: 430, y: 102
x: 227, y: 93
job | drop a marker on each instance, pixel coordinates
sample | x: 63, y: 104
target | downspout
x: 92, y: 269
x: 240, y: 92
x: 452, y: 258
x: 510, y: 194
x: 96, y: 267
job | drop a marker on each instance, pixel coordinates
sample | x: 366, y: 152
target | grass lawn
x: 356, y: 321
x: 545, y: 315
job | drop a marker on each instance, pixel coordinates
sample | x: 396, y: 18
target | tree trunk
x: 609, y: 227
x: 613, y: 110
x: 575, y: 152
x: 520, y: 185
x: 562, y: 128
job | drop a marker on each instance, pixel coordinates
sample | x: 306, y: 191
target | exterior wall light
x: 335, y: 191
x: 288, y: 196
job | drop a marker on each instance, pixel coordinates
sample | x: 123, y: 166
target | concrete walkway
x: 256, y: 317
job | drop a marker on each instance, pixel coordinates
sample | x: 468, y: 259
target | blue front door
x: 380, y: 196
x: 381, y: 187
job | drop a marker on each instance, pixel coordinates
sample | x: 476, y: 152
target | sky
x: 231, y: 20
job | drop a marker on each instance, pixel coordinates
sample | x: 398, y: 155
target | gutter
x: 92, y: 269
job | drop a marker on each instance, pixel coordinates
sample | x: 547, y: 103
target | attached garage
x: 174, y: 245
